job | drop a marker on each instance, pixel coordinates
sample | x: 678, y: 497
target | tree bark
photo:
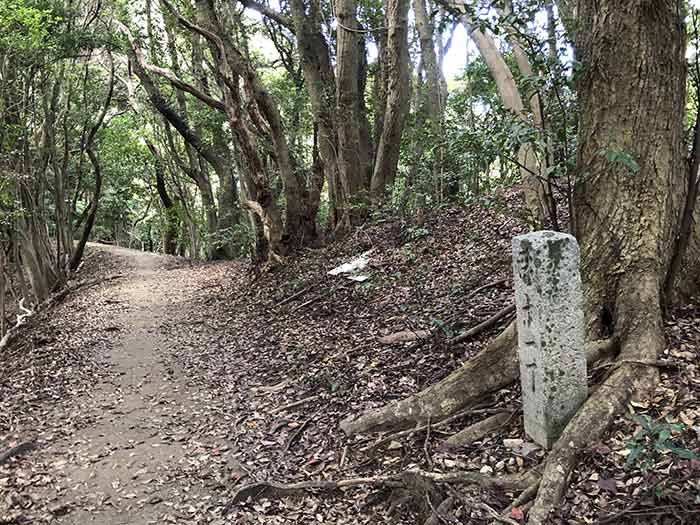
x: 348, y: 119
x: 632, y: 100
x: 77, y: 256
x: 431, y: 102
x: 171, y: 219
x: 320, y: 83
x: 512, y: 100
x: 92, y: 214
x: 398, y: 89
x: 180, y: 123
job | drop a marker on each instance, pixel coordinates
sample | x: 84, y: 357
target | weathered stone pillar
x: 549, y: 305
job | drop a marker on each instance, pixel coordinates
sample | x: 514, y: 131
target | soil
x: 152, y: 396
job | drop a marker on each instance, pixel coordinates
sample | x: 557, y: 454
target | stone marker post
x: 549, y: 305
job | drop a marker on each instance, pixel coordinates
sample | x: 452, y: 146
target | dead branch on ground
x: 403, y: 480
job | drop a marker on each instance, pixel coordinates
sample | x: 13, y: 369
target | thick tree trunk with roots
x: 626, y: 216
x: 625, y: 219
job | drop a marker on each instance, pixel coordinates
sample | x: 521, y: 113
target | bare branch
x: 166, y: 73
x: 269, y: 13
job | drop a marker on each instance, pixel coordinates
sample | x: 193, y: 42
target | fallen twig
x: 428, y: 459
x: 485, y: 287
x: 295, y: 404
x: 59, y: 296
x: 404, y: 479
x: 495, y: 318
x: 293, y: 296
x: 299, y: 431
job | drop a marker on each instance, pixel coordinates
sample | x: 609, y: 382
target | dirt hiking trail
x: 125, y: 444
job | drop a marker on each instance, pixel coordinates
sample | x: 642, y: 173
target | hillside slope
x: 156, y: 395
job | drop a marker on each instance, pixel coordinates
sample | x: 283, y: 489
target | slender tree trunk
x: 320, y: 83
x: 92, y: 214
x: 171, y: 219
x: 398, y: 89
x: 348, y: 120
x: 512, y: 100
x: 431, y: 103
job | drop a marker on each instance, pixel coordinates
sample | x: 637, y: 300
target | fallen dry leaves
x: 252, y: 374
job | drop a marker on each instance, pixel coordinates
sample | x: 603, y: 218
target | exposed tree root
x: 409, y: 480
x: 26, y: 313
x: 588, y: 425
x: 17, y: 450
x: 492, y: 369
x: 524, y: 498
x: 480, y: 429
x: 635, y: 377
x: 405, y: 336
x: 420, y: 428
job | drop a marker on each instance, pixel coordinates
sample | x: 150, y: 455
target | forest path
x: 121, y: 468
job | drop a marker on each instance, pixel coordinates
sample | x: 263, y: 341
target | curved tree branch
x: 270, y: 13
x: 166, y: 73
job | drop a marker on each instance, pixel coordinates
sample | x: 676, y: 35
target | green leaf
x: 663, y: 436
x: 620, y: 157
x: 644, y: 421
x: 635, y: 452
x: 683, y: 453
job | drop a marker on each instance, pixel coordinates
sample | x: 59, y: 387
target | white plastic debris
x: 351, y: 269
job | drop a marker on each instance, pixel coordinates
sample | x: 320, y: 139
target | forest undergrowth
x: 269, y: 364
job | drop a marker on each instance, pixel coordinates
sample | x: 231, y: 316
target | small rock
x: 394, y: 445
x: 512, y: 443
x: 486, y: 470
x: 59, y: 509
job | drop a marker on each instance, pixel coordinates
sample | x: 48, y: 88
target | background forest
x: 229, y: 130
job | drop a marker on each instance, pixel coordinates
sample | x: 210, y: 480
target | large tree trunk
x: 632, y: 101
x: 626, y: 217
